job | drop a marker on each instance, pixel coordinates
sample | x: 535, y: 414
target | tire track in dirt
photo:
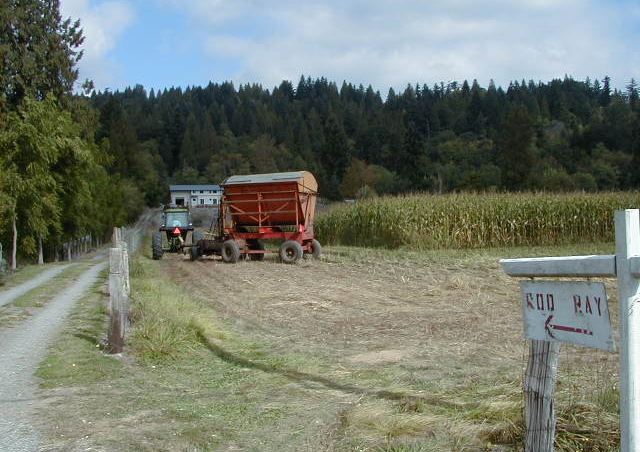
x: 22, y: 348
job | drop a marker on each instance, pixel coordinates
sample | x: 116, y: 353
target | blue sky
x: 384, y: 43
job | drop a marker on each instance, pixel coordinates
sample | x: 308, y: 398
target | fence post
x: 117, y: 300
x: 115, y: 237
x: 628, y: 247
x: 125, y: 268
x: 539, y: 388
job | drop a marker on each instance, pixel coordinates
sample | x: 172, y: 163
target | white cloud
x: 102, y: 25
x: 392, y: 43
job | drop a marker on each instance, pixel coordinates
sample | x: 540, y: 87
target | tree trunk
x: 539, y: 388
x: 14, y: 250
x: 40, y: 253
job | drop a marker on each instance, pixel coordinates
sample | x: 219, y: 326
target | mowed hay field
x: 391, y: 349
x: 365, y: 350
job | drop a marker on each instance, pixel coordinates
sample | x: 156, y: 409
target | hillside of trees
x: 562, y: 135
x: 77, y: 164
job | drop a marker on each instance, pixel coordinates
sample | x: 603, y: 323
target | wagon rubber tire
x: 290, y: 252
x: 257, y: 245
x: 230, y: 252
x: 156, y: 246
x: 316, y: 250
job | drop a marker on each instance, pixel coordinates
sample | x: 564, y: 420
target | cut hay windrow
x: 475, y: 220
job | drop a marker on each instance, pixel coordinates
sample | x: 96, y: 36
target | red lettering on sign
x: 587, y: 305
x: 550, y: 303
x: 529, y: 297
x: 540, y: 301
x: 597, y: 300
x: 577, y: 304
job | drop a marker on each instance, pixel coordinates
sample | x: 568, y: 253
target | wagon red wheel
x: 290, y: 252
x: 230, y: 252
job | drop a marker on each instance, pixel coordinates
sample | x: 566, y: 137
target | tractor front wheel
x: 156, y: 246
x: 230, y: 252
x: 290, y: 252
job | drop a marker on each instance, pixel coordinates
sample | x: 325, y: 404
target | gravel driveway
x: 9, y: 295
x: 22, y: 348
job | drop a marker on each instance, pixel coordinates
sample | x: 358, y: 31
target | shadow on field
x: 302, y: 377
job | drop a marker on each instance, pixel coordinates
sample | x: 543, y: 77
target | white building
x: 195, y: 195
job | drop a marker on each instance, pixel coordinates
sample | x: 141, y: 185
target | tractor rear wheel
x: 230, y: 252
x: 156, y: 246
x: 290, y: 252
x: 257, y: 245
x: 195, y: 253
x: 316, y: 250
x: 196, y: 236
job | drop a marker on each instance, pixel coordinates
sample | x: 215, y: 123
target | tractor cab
x: 176, y: 217
x: 176, y: 224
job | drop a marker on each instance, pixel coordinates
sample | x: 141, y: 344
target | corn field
x: 474, y: 220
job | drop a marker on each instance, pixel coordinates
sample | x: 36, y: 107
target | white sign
x: 567, y: 311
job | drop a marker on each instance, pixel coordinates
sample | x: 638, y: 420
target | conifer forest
x: 76, y: 161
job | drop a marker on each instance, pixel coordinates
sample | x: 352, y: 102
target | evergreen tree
x: 517, y: 156
x: 38, y: 51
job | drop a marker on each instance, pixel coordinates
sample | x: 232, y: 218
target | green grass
x: 174, y: 392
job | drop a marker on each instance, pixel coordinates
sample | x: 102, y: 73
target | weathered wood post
x: 125, y: 268
x: 625, y: 265
x: 116, y: 237
x: 539, y: 389
x: 117, y: 296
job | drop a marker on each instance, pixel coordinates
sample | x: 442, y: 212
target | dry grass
x: 366, y: 350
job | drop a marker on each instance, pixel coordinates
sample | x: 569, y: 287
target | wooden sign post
x: 625, y: 265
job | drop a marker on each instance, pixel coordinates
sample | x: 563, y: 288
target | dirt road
x: 22, y: 347
x: 11, y: 294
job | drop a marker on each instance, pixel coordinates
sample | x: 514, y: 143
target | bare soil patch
x: 436, y: 316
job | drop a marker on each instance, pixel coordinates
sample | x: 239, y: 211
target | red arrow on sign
x: 548, y: 327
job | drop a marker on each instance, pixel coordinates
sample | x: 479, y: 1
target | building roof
x: 193, y: 187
